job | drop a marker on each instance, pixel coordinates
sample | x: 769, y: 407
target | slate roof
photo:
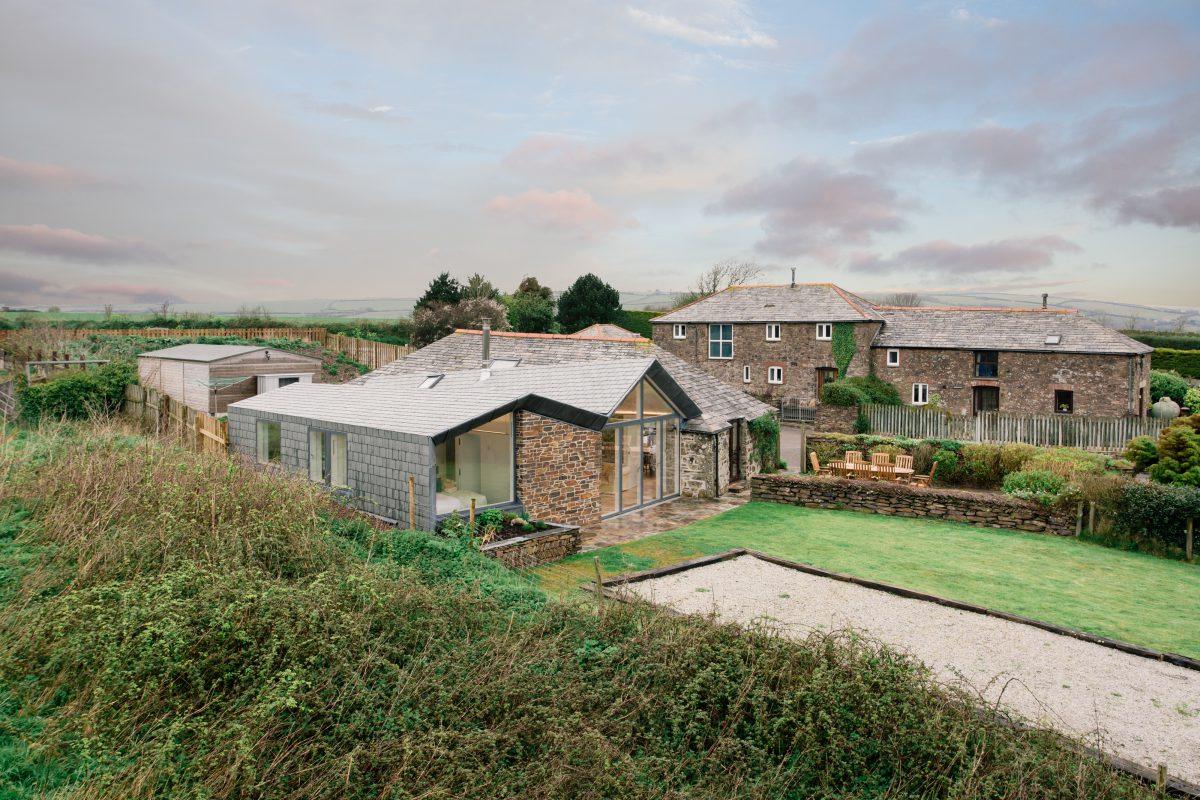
x: 1001, y: 329
x: 605, y: 330
x: 804, y: 302
x: 582, y: 393
x: 202, y: 352
x: 718, y: 402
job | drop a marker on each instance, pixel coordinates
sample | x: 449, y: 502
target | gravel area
x: 1144, y: 710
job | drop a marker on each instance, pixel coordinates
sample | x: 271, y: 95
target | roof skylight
x: 504, y: 363
x: 1053, y: 338
x: 430, y: 381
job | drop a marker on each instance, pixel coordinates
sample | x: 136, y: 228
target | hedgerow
x: 192, y: 628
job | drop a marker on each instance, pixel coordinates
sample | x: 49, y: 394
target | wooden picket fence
x: 168, y: 417
x: 306, y: 334
x: 373, y: 354
x: 1102, y: 434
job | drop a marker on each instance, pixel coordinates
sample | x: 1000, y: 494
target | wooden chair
x: 881, y: 458
x: 925, y: 480
x: 816, y: 465
x: 854, y: 455
x: 904, y: 462
x: 884, y: 472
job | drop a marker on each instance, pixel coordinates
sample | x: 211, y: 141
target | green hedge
x: 78, y: 394
x: 858, y: 390
x: 1185, y: 362
x: 1156, y: 339
x: 638, y: 321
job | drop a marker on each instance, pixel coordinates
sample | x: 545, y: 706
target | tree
x: 531, y: 307
x: 440, y: 319
x: 588, y: 301
x: 479, y: 287
x: 1167, y: 384
x: 719, y: 277
x: 108, y: 310
x: 442, y: 289
x: 903, y: 299
x: 1178, y: 457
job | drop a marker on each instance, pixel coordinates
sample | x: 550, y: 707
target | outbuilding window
x: 893, y: 357
x: 268, y: 442
x: 720, y: 341
x: 1064, y: 401
x: 920, y: 394
x: 746, y: 374
x: 774, y: 331
x: 327, y: 457
x: 775, y: 375
x: 824, y: 331
x: 679, y: 331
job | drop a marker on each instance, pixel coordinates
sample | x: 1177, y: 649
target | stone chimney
x: 793, y: 277
x: 1045, y: 299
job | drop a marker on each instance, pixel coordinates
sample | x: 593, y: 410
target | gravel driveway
x: 1144, y: 710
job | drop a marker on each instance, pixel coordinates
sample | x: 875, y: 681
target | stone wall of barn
x: 984, y: 509
x: 558, y: 470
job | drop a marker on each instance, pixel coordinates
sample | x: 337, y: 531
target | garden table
x: 855, y: 469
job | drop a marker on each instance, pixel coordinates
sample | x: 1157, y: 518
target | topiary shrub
x: 1167, y: 384
x: 1142, y: 451
x: 1178, y: 457
x: 1040, y: 485
x: 843, y: 394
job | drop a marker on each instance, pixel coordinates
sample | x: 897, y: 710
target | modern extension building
x: 786, y: 342
x: 569, y: 428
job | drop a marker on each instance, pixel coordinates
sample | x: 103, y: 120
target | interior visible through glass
x: 476, y: 465
x: 268, y: 441
x: 631, y: 465
x: 608, y: 471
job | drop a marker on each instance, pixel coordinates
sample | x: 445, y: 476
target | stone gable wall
x: 983, y: 509
x: 558, y: 470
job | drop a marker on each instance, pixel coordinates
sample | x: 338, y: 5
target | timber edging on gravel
x: 1174, y: 785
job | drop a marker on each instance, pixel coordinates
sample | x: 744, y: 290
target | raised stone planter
x: 534, y: 549
x: 983, y: 509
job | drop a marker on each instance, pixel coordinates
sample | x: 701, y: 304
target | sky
x: 246, y: 151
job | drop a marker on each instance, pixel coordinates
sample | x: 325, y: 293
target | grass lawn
x: 1129, y: 596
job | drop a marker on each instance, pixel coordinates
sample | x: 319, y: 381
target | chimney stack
x: 1045, y: 297
x: 487, y: 341
x: 793, y: 277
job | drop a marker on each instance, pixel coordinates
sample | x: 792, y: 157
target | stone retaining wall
x: 523, y: 552
x: 984, y: 509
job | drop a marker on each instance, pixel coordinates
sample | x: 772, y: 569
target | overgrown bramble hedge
x: 190, y: 628
x: 856, y: 391
x: 77, y: 394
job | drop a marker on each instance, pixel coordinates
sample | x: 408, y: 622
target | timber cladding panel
x: 378, y: 463
x: 557, y: 470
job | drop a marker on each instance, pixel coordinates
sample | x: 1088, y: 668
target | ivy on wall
x: 764, y: 432
x: 844, y: 346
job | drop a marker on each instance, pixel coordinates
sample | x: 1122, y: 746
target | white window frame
x: 775, y: 371
x: 893, y: 357
x: 824, y: 331
x: 746, y: 374
x: 679, y: 331
x: 920, y: 394
x: 719, y: 328
x: 774, y: 332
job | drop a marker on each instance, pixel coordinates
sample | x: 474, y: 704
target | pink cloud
x: 73, y: 245
x: 33, y: 173
x: 565, y: 210
x: 1015, y: 256
x: 272, y: 283
x: 1178, y: 208
x: 811, y: 208
x: 129, y: 292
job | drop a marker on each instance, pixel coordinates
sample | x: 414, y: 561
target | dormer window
x: 824, y: 331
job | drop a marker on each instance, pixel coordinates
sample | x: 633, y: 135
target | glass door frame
x: 619, y: 455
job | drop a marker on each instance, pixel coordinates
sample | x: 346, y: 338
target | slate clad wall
x: 983, y: 509
x: 378, y: 462
x: 558, y: 470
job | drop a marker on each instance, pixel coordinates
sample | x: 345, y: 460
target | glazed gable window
x: 720, y: 341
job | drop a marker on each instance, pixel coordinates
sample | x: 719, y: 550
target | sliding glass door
x: 640, y: 447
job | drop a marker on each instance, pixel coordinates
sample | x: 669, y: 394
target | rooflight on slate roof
x: 1053, y: 338
x: 504, y: 363
x: 430, y: 381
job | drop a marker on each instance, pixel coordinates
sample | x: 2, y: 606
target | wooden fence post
x: 471, y: 521
x: 1091, y: 516
x: 1187, y: 544
x: 1079, y: 518
x: 599, y: 582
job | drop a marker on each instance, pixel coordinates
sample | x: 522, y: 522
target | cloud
x: 725, y: 25
x: 571, y: 211
x: 90, y: 293
x: 21, y: 289
x: 15, y: 283
x: 272, y: 283
x: 1177, y: 208
x: 73, y: 245
x: 367, y: 113
x: 34, y: 174
x: 814, y: 209
x: 942, y: 258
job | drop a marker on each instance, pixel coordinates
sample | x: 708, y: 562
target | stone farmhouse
x: 569, y: 428
x: 787, y: 341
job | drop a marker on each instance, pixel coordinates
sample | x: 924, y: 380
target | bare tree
x: 904, y: 299
x: 108, y: 310
x: 718, y: 277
